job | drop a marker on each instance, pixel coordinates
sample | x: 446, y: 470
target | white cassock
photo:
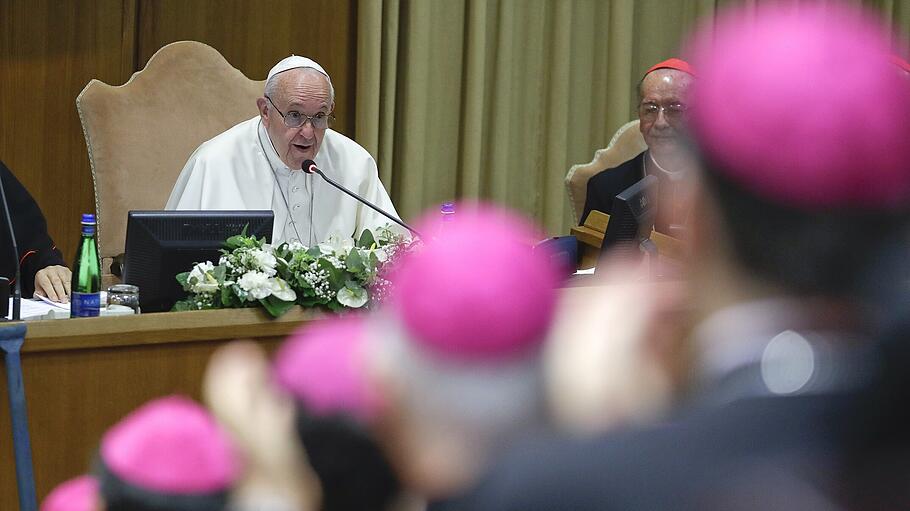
x: 239, y: 169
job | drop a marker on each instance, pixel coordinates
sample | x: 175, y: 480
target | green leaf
x: 219, y: 272
x: 354, y: 262
x: 234, y: 242
x: 274, y: 306
x: 310, y: 301
x: 366, y: 239
x: 229, y: 298
x: 184, y: 305
x: 182, y: 279
x: 336, y: 276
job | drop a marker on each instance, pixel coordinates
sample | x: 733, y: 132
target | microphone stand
x: 309, y: 166
x: 17, y: 289
x: 650, y: 248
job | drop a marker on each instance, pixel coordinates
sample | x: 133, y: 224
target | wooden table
x: 82, y: 375
x: 591, y: 237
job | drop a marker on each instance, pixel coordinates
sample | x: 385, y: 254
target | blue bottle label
x: 85, y: 305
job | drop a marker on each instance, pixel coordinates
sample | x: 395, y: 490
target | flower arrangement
x: 337, y: 274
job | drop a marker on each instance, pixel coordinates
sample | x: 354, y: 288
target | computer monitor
x: 161, y: 244
x: 631, y: 217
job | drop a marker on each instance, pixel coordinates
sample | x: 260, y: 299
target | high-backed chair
x: 140, y: 134
x: 626, y: 143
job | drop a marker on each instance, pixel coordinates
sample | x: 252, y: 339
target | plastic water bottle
x: 85, y: 288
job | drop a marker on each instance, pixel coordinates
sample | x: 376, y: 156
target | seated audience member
x: 456, y: 350
x: 239, y: 387
x: 42, y: 268
x: 614, y: 355
x: 663, y: 101
x: 323, y: 367
x: 257, y: 163
x: 168, y: 455
x: 78, y: 494
x: 793, y: 217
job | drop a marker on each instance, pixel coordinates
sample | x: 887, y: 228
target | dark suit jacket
x: 604, y: 186
x: 36, y: 249
x: 723, y: 458
x: 733, y: 447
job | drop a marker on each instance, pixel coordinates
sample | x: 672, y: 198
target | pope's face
x: 667, y: 90
x: 299, y: 90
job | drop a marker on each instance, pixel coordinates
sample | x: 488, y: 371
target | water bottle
x: 85, y: 299
x: 448, y: 212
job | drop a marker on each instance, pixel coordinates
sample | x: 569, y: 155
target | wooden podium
x: 591, y: 237
x: 83, y: 375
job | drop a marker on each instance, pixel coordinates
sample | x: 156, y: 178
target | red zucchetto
x: 673, y: 63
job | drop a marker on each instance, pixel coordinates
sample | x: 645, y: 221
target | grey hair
x: 486, y: 405
x: 271, y: 86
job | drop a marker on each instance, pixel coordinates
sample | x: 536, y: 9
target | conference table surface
x: 82, y: 375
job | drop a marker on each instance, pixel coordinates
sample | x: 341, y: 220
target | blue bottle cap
x: 88, y: 218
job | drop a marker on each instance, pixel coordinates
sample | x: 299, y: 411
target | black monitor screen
x: 161, y: 244
x: 632, y: 216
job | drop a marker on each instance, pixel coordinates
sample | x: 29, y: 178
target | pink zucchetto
x: 322, y: 366
x: 801, y: 106
x: 78, y: 494
x: 477, y: 290
x: 172, y: 446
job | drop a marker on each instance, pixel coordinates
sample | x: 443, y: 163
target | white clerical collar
x: 778, y: 339
x: 672, y: 175
x: 734, y: 336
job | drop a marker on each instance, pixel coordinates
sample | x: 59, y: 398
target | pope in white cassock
x: 256, y: 164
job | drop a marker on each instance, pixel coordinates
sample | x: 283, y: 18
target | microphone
x: 309, y: 166
x: 17, y: 290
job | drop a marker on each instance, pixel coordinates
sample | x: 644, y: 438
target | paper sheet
x: 37, y: 309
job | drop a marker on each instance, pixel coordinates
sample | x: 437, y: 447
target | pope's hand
x: 53, y: 282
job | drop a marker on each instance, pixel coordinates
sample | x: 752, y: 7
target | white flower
x: 201, y: 269
x: 281, y: 290
x: 263, y: 261
x: 201, y: 279
x: 256, y: 284
x: 352, y: 299
x: 382, y: 254
x: 295, y: 246
x: 336, y: 246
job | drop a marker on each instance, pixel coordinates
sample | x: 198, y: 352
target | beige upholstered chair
x: 626, y: 143
x: 140, y: 134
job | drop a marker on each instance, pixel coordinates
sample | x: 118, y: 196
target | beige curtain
x: 495, y: 99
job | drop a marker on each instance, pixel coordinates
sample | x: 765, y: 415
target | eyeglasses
x: 674, y: 112
x: 295, y: 119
